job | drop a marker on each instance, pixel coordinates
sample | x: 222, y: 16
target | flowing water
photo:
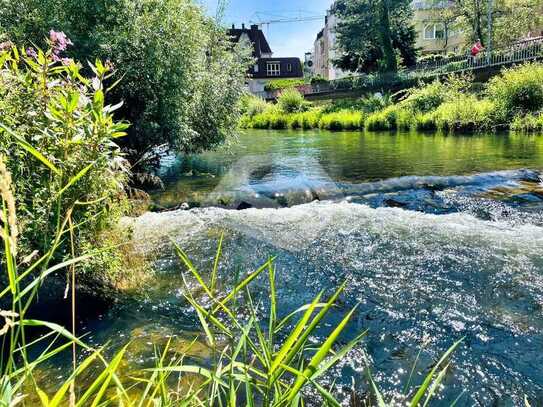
x: 438, y: 238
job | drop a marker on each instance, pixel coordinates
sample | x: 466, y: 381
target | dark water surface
x: 438, y: 237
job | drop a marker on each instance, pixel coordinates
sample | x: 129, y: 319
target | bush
x: 343, y: 120
x: 253, y: 105
x: 291, y: 101
x: 529, y: 123
x: 279, y: 84
x: 278, y: 121
x: 426, y: 98
x: 56, y: 131
x: 382, y: 120
x: 182, y: 78
x: 517, y: 91
x: 465, y: 113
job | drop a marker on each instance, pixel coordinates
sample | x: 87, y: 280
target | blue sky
x: 286, y: 39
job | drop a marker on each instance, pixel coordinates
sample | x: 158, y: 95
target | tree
x: 375, y: 34
x: 180, y: 76
x: 512, y: 19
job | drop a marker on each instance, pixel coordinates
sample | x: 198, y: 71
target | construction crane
x: 285, y: 20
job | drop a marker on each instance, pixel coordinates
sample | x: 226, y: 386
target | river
x: 438, y: 237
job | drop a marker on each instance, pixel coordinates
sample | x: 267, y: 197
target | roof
x: 256, y: 36
x: 296, y: 69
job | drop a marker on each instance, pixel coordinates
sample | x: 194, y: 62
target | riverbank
x: 511, y: 101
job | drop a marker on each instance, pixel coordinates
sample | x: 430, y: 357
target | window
x: 434, y: 32
x: 273, y: 69
x: 256, y: 68
x: 289, y: 67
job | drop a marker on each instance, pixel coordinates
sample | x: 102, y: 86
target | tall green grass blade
x: 102, y: 382
x: 323, y: 351
x: 376, y: 392
x: 330, y: 362
x: 426, y: 383
x: 243, y: 284
x: 318, y: 318
x: 10, y: 265
x: 286, y: 319
x: 38, y: 280
x: 273, y: 305
x: 61, y: 393
x: 327, y: 396
x: 294, y: 335
x: 216, y: 264
x: 412, y: 372
x: 435, y: 384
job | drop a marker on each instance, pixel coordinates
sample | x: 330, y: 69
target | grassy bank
x: 513, y: 100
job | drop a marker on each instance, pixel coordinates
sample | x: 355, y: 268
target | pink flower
x: 31, y: 52
x: 67, y: 61
x: 59, y: 41
x: 5, y: 45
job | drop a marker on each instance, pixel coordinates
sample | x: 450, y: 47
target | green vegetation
x: 279, y: 84
x: 375, y: 35
x: 512, y: 100
x: 181, y: 79
x: 291, y: 101
x: 517, y: 91
x: 51, y: 114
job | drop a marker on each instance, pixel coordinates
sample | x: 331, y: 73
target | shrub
x: 311, y: 118
x: 382, y: 120
x: 517, y: 91
x: 529, y: 123
x: 426, y: 98
x: 343, y: 120
x: 291, y: 101
x: 252, y: 105
x: 465, y: 113
x: 182, y: 78
x: 278, y: 121
x: 57, y: 131
x: 279, y: 84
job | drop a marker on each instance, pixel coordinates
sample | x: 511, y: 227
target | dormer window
x: 289, y: 67
x: 273, y: 69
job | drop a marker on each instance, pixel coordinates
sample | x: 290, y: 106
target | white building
x: 325, y: 50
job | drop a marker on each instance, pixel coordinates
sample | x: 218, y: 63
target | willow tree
x: 375, y: 34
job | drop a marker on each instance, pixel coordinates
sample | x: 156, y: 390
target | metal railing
x: 523, y: 51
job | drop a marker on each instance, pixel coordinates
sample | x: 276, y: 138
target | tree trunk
x: 385, y: 37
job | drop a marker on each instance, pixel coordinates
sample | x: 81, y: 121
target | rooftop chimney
x: 256, y: 39
x: 243, y: 26
x: 233, y: 26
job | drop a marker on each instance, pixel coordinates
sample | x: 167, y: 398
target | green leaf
x: 76, y: 178
x: 378, y: 395
x: 24, y: 144
x: 294, y: 335
x: 320, y: 355
x: 102, y: 381
x: 422, y: 390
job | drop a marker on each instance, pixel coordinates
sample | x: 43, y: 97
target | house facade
x: 266, y: 67
x: 325, y: 50
x: 436, y: 31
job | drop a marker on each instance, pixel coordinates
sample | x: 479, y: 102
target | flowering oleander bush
x: 57, y: 131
